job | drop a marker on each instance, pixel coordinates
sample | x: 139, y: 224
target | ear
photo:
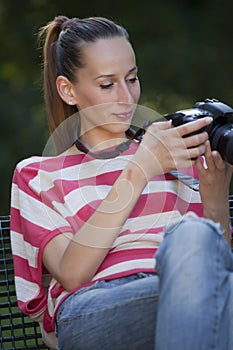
x: 64, y: 88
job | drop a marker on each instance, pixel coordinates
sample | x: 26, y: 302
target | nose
x: 124, y: 94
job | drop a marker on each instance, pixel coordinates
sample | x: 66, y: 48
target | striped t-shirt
x: 56, y: 195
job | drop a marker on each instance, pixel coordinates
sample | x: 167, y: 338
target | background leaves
x: 184, y: 52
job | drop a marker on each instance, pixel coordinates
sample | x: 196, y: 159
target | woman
x: 89, y: 221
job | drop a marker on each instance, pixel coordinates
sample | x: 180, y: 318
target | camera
x: 220, y: 131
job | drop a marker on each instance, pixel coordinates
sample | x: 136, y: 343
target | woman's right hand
x: 165, y: 148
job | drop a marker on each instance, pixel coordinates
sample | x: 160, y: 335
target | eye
x: 106, y: 85
x: 132, y: 80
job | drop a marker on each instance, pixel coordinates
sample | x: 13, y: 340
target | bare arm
x: 75, y: 261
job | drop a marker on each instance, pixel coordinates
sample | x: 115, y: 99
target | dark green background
x: 184, y: 52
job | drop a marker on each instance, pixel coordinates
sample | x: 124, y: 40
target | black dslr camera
x: 220, y: 131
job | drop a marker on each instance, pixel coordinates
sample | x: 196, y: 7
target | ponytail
x: 57, y: 109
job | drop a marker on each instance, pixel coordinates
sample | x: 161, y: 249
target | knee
x: 188, y: 241
x: 194, y: 231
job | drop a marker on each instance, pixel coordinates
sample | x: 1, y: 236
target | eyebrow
x: 112, y: 75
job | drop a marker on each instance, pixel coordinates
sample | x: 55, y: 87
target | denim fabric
x: 116, y: 315
x: 196, y: 288
x: 187, y: 306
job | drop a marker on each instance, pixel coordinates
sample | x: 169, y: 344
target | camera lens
x: 221, y: 139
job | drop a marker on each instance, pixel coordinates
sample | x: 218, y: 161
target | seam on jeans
x: 216, y: 322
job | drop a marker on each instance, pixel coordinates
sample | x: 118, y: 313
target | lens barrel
x: 221, y: 139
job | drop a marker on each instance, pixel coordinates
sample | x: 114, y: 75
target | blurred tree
x: 183, y: 48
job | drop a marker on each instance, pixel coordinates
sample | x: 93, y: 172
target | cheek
x: 136, y: 94
x: 98, y: 98
x: 88, y: 100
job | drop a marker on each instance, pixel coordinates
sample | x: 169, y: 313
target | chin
x: 119, y: 129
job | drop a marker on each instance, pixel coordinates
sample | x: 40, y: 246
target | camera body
x: 220, y: 131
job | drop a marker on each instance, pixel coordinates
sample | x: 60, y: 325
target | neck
x: 95, y: 143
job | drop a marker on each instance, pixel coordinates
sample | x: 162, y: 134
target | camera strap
x: 186, y: 179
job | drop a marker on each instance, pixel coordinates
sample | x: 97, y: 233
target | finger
x: 195, y: 140
x: 200, y: 166
x: 209, y: 157
x: 154, y: 128
x: 194, y: 126
x: 164, y: 125
x: 229, y: 171
x: 153, y: 131
x: 196, y: 152
x: 218, y: 161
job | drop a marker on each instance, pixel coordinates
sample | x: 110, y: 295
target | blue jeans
x: 187, y: 305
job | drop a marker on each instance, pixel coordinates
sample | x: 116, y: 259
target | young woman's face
x: 108, y: 83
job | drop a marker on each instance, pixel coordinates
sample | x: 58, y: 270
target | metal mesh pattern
x: 231, y: 208
x: 17, y: 331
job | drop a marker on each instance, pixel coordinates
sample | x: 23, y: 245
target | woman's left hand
x: 215, y: 178
x: 214, y: 182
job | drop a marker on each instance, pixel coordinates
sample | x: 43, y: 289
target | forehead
x: 111, y: 51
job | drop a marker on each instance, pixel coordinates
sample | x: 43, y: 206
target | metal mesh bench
x: 17, y: 331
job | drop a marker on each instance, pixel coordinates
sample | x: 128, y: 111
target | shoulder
x: 45, y: 163
x: 28, y: 168
x: 31, y: 162
x: 39, y: 173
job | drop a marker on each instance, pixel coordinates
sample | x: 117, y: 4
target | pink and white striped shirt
x: 56, y: 195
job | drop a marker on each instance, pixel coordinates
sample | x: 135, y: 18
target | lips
x: 124, y: 115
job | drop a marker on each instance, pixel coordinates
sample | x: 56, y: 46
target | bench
x: 17, y: 331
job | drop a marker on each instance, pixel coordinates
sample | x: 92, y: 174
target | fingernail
x: 209, y: 119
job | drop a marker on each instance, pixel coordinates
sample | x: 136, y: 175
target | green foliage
x: 184, y: 52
